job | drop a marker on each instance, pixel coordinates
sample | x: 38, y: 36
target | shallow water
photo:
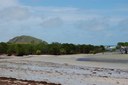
x: 103, y: 60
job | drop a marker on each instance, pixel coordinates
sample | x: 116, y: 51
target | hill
x: 26, y: 39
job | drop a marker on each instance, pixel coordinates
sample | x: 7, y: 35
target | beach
x: 79, y: 69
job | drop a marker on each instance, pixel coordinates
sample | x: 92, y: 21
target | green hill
x: 25, y: 40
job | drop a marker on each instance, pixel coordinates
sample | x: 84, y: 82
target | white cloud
x: 52, y: 23
x: 8, y: 3
x: 14, y: 13
x: 95, y: 24
x: 55, y: 9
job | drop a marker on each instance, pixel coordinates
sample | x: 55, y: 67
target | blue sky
x: 99, y: 22
x: 95, y: 4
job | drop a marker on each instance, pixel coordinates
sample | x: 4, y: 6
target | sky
x: 97, y: 22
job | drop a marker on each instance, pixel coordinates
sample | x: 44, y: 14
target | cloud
x: 52, y: 23
x: 8, y: 3
x: 14, y: 13
x: 95, y: 24
x: 55, y: 9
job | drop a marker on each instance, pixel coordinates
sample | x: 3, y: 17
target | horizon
x: 96, y: 22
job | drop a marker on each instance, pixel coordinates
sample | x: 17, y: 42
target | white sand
x: 66, y: 70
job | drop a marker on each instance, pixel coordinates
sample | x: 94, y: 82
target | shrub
x: 38, y: 52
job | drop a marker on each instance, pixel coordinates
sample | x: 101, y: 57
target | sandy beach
x: 79, y: 69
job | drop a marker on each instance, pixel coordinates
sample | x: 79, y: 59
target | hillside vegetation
x: 25, y: 40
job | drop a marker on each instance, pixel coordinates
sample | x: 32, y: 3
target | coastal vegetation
x: 27, y: 45
x: 123, y: 46
x: 43, y: 48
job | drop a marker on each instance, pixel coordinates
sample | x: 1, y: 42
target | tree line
x: 43, y: 48
x: 123, y: 46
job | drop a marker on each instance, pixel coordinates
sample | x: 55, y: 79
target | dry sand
x: 66, y: 70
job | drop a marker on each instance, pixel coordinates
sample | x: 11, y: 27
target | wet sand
x: 66, y: 70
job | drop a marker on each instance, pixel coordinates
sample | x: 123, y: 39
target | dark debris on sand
x: 13, y: 81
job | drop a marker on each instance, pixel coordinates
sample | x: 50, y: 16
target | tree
x: 19, y: 50
x: 54, y: 48
x: 3, y: 48
x: 38, y: 52
x: 11, y: 49
x: 123, y: 46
